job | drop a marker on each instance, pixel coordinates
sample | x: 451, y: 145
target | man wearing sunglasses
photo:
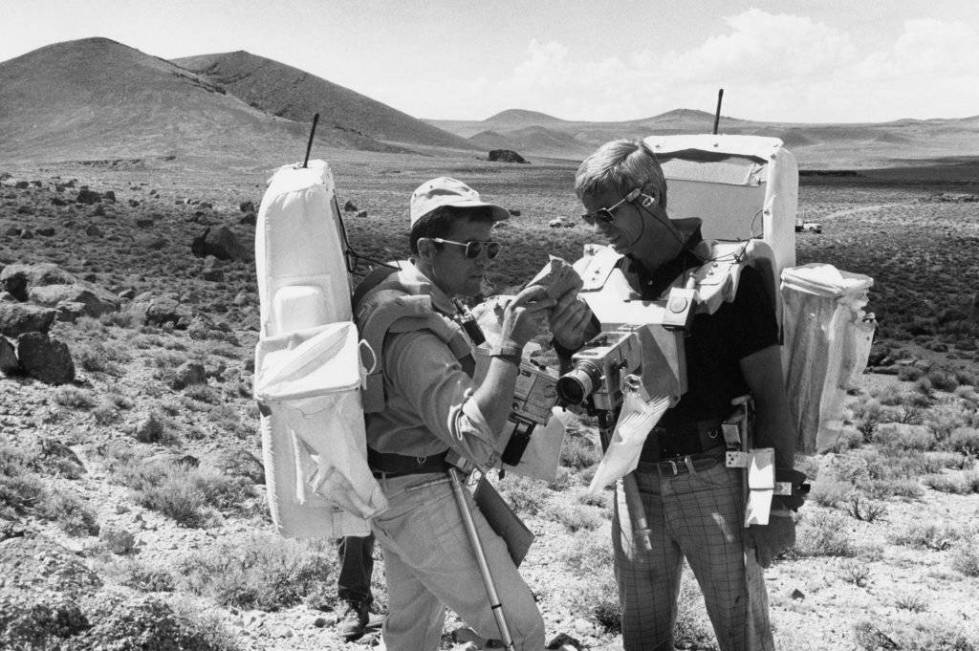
x: 693, y: 503
x: 430, y: 406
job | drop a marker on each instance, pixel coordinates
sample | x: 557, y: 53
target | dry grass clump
x: 917, y: 634
x: 856, y: 573
x: 962, y: 483
x: 824, y: 533
x: 24, y: 492
x: 98, y: 357
x: 864, y: 509
x: 73, y: 398
x: 526, y: 496
x: 193, y: 497
x: 965, y: 558
x: 122, y: 621
x: 579, y: 451
x: 588, y: 558
x: 264, y: 573
x: 927, y: 536
x: 575, y: 517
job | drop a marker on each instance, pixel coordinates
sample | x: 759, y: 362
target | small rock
x: 797, y: 594
x: 88, y: 197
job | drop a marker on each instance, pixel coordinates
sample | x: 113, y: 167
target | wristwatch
x: 508, y: 350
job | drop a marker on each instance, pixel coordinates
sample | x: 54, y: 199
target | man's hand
x: 523, y: 317
x: 569, y: 321
x: 770, y: 540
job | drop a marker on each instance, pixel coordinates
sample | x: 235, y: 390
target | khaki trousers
x: 430, y: 565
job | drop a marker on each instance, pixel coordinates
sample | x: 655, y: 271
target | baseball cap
x: 446, y: 191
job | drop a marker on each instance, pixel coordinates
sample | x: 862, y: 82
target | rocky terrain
x: 132, y: 510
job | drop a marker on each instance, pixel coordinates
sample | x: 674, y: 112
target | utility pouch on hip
x: 503, y: 520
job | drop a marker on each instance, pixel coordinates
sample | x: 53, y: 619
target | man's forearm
x: 494, y: 395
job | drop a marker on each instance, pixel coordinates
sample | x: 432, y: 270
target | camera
x: 533, y: 397
x: 598, y: 368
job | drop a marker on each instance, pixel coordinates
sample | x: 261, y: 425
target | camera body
x: 650, y: 354
x: 598, y: 368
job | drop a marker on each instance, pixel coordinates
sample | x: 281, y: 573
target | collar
x: 651, y: 284
x: 411, y: 277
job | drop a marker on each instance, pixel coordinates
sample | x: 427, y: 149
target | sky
x: 596, y: 60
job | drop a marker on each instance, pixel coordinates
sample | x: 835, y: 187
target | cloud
x: 773, y: 67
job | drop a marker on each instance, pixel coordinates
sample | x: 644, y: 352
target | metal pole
x: 717, y: 114
x: 470, y: 524
x: 309, y: 144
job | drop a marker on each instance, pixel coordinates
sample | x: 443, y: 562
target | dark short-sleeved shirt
x: 714, y: 347
x: 715, y: 343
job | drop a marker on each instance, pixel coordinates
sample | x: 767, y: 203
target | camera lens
x: 577, y: 384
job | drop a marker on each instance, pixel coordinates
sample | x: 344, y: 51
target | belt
x: 385, y: 465
x: 681, y: 465
x: 682, y: 439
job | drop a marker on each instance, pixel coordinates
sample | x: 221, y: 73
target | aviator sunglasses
x: 474, y: 247
x: 607, y: 215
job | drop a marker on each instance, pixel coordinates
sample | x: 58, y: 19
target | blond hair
x: 622, y: 166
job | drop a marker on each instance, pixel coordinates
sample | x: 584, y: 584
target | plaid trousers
x: 697, y: 515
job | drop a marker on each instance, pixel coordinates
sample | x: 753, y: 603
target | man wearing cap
x: 430, y: 409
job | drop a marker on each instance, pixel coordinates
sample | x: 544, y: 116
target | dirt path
x: 852, y: 211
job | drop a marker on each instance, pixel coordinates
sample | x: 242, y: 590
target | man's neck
x: 652, y: 258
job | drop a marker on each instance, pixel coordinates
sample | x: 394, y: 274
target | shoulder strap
x: 717, y: 280
x: 394, y: 311
x: 596, y: 266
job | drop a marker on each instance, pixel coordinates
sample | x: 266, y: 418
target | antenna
x: 717, y: 115
x: 312, y: 132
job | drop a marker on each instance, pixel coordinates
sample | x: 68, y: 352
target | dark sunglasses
x: 607, y: 215
x: 474, y: 247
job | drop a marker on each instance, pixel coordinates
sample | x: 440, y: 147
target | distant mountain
x: 291, y: 93
x: 540, y: 140
x: 96, y: 99
x: 519, y: 118
x: 815, y: 146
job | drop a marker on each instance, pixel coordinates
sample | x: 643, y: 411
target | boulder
x: 18, y: 278
x: 19, y: 318
x: 45, y: 359
x: 79, y: 299
x: 161, y: 311
x: 223, y: 245
x: 506, y: 156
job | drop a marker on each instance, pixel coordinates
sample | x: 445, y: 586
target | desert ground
x: 132, y: 497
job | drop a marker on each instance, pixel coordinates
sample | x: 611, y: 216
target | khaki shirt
x: 429, y: 406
